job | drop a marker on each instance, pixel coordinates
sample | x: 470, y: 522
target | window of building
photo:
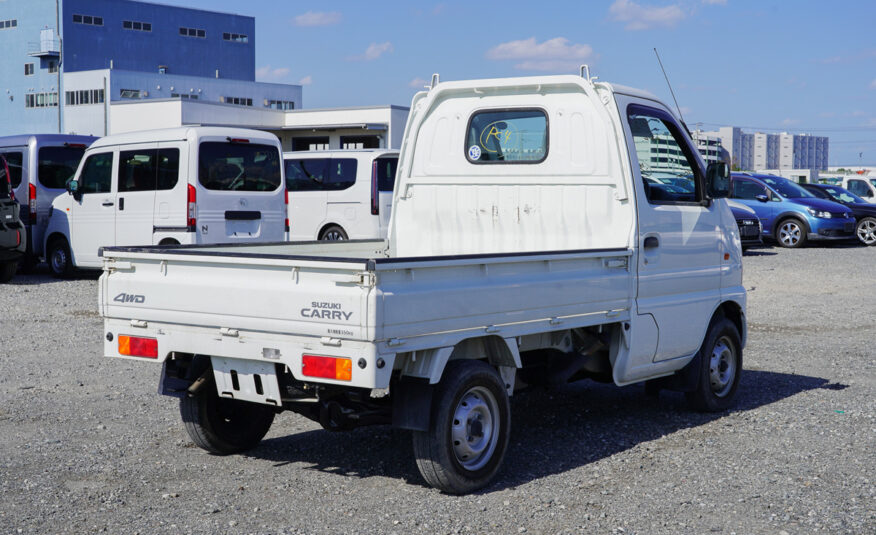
x: 507, y: 136
x: 137, y: 26
x: 129, y: 93
x: 184, y: 96
x: 84, y: 96
x: 310, y: 143
x: 281, y: 104
x: 238, y: 101
x: 28, y: 69
x: 360, y: 142
x: 88, y: 19
x: 52, y: 66
x: 235, y: 37
x: 8, y: 24
x: 193, y: 32
x: 40, y: 100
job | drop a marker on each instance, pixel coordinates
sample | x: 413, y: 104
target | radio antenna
x: 677, y: 107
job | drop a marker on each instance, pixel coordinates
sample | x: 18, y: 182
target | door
x: 171, y: 195
x: 307, y: 196
x: 92, y: 218
x: 757, y: 197
x: 680, y: 232
x: 135, y: 198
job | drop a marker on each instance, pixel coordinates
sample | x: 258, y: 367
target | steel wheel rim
x: 722, y: 367
x: 59, y: 260
x: 867, y: 231
x: 789, y: 234
x: 475, y: 429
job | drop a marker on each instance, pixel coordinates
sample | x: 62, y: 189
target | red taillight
x: 192, y: 205
x: 134, y: 346
x: 286, y: 203
x: 75, y: 145
x: 375, y: 196
x: 17, y: 238
x: 31, y: 202
x: 340, y: 369
x: 237, y: 140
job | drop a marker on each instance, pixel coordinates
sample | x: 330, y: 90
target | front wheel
x: 224, y: 426
x: 468, y: 433
x: 720, y: 368
x: 58, y: 258
x: 791, y: 233
x: 866, y: 230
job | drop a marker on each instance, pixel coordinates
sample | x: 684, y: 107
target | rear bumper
x: 369, y: 369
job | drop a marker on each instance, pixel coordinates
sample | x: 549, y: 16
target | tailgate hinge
x: 366, y: 279
x: 112, y: 265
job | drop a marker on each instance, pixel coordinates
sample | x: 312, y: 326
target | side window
x: 507, y: 136
x: 858, y: 187
x: 137, y: 170
x: 385, y: 169
x: 666, y: 162
x: 306, y: 175
x: 746, y: 189
x: 15, y: 160
x: 97, y: 174
x: 341, y: 174
x: 168, y: 168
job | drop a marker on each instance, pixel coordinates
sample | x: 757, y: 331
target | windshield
x: 786, y: 188
x: 843, y: 195
x: 57, y: 165
x: 239, y: 167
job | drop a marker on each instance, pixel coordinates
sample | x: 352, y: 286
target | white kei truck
x: 525, y: 247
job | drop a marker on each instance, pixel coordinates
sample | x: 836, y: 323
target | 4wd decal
x: 329, y: 311
x: 129, y: 298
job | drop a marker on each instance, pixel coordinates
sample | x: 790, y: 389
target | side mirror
x: 73, y: 189
x: 718, y: 180
x: 762, y: 198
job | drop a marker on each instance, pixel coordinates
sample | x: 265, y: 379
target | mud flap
x: 412, y: 404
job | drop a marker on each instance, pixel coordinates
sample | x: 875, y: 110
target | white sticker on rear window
x: 474, y: 152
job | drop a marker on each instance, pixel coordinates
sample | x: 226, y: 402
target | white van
x: 340, y: 194
x: 39, y: 167
x: 862, y: 186
x: 193, y: 185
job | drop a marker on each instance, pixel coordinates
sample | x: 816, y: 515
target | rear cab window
x: 320, y: 174
x: 57, y: 165
x: 507, y: 136
x: 226, y: 166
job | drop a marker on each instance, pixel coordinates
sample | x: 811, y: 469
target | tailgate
x: 292, y: 296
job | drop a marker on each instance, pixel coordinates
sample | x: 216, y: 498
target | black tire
x: 720, y: 368
x: 224, y: 426
x: 333, y: 233
x: 27, y: 264
x: 58, y: 258
x: 470, y: 403
x: 791, y: 233
x: 168, y: 241
x: 7, y: 271
x: 865, y: 230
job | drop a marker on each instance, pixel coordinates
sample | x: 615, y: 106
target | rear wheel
x: 469, y: 429
x: 866, y: 230
x: 223, y: 426
x: 58, y: 258
x: 720, y: 368
x: 7, y: 271
x: 791, y: 233
x: 333, y: 233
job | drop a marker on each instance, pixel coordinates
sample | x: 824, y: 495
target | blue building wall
x: 93, y: 46
x: 16, y: 42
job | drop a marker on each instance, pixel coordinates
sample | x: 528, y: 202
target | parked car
x: 191, y: 185
x: 13, y: 234
x: 864, y: 187
x: 788, y: 213
x: 748, y: 223
x: 341, y: 194
x: 40, y: 166
x: 863, y: 212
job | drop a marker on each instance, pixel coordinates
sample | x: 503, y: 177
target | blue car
x: 788, y: 213
x: 864, y: 212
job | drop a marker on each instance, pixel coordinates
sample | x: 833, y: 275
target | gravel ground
x: 88, y: 446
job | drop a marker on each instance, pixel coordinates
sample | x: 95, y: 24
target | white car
x: 864, y: 187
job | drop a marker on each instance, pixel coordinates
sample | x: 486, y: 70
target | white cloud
x: 316, y: 18
x: 268, y: 74
x: 556, y: 54
x: 639, y: 17
x: 374, y: 51
x: 418, y: 83
x: 307, y: 80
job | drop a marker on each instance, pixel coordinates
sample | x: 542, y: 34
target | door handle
x: 652, y: 242
x: 108, y: 203
x: 121, y: 203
